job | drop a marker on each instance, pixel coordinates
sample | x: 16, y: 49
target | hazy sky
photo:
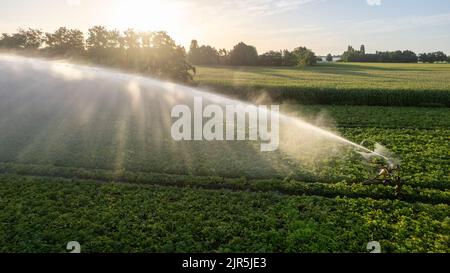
x: 322, y: 25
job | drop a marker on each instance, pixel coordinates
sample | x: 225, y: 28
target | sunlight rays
x: 117, y: 121
x: 144, y: 15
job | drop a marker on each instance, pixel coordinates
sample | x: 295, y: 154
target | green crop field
x: 338, y: 83
x: 149, y: 210
x: 86, y: 166
x: 209, y: 136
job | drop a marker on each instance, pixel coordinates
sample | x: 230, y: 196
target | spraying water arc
x: 295, y: 121
x: 74, y: 109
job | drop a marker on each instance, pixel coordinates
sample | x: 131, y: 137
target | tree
x: 146, y: 39
x: 194, y: 45
x: 164, y: 58
x: 398, y: 56
x: 98, y: 38
x: 243, y: 54
x: 409, y: 57
x: 271, y: 58
x: 65, y: 41
x: 362, y: 50
x: 105, y: 46
x: 161, y: 39
x: 131, y: 39
x: 440, y: 56
x: 424, y: 57
x: 114, y: 39
x: 349, y: 55
x: 224, y: 56
x: 433, y: 57
x: 194, y: 53
x: 329, y: 58
x: 289, y: 58
x: 32, y: 38
x: 305, y: 57
x: 155, y: 53
x: 14, y: 41
x: 204, y: 55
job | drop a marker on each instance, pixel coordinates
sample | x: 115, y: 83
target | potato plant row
x: 43, y: 214
x: 287, y: 186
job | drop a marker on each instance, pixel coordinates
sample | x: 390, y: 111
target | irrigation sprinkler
x: 388, y: 176
x: 389, y: 170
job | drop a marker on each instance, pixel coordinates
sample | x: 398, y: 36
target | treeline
x: 247, y: 55
x: 435, y: 57
x: 154, y: 53
x: 406, y: 56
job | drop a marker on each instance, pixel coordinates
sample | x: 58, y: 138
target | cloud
x: 374, y: 2
x: 252, y: 7
x: 402, y: 23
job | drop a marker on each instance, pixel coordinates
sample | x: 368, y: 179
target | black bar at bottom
x: 226, y: 262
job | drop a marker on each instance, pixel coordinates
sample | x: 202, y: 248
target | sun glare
x: 143, y: 15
